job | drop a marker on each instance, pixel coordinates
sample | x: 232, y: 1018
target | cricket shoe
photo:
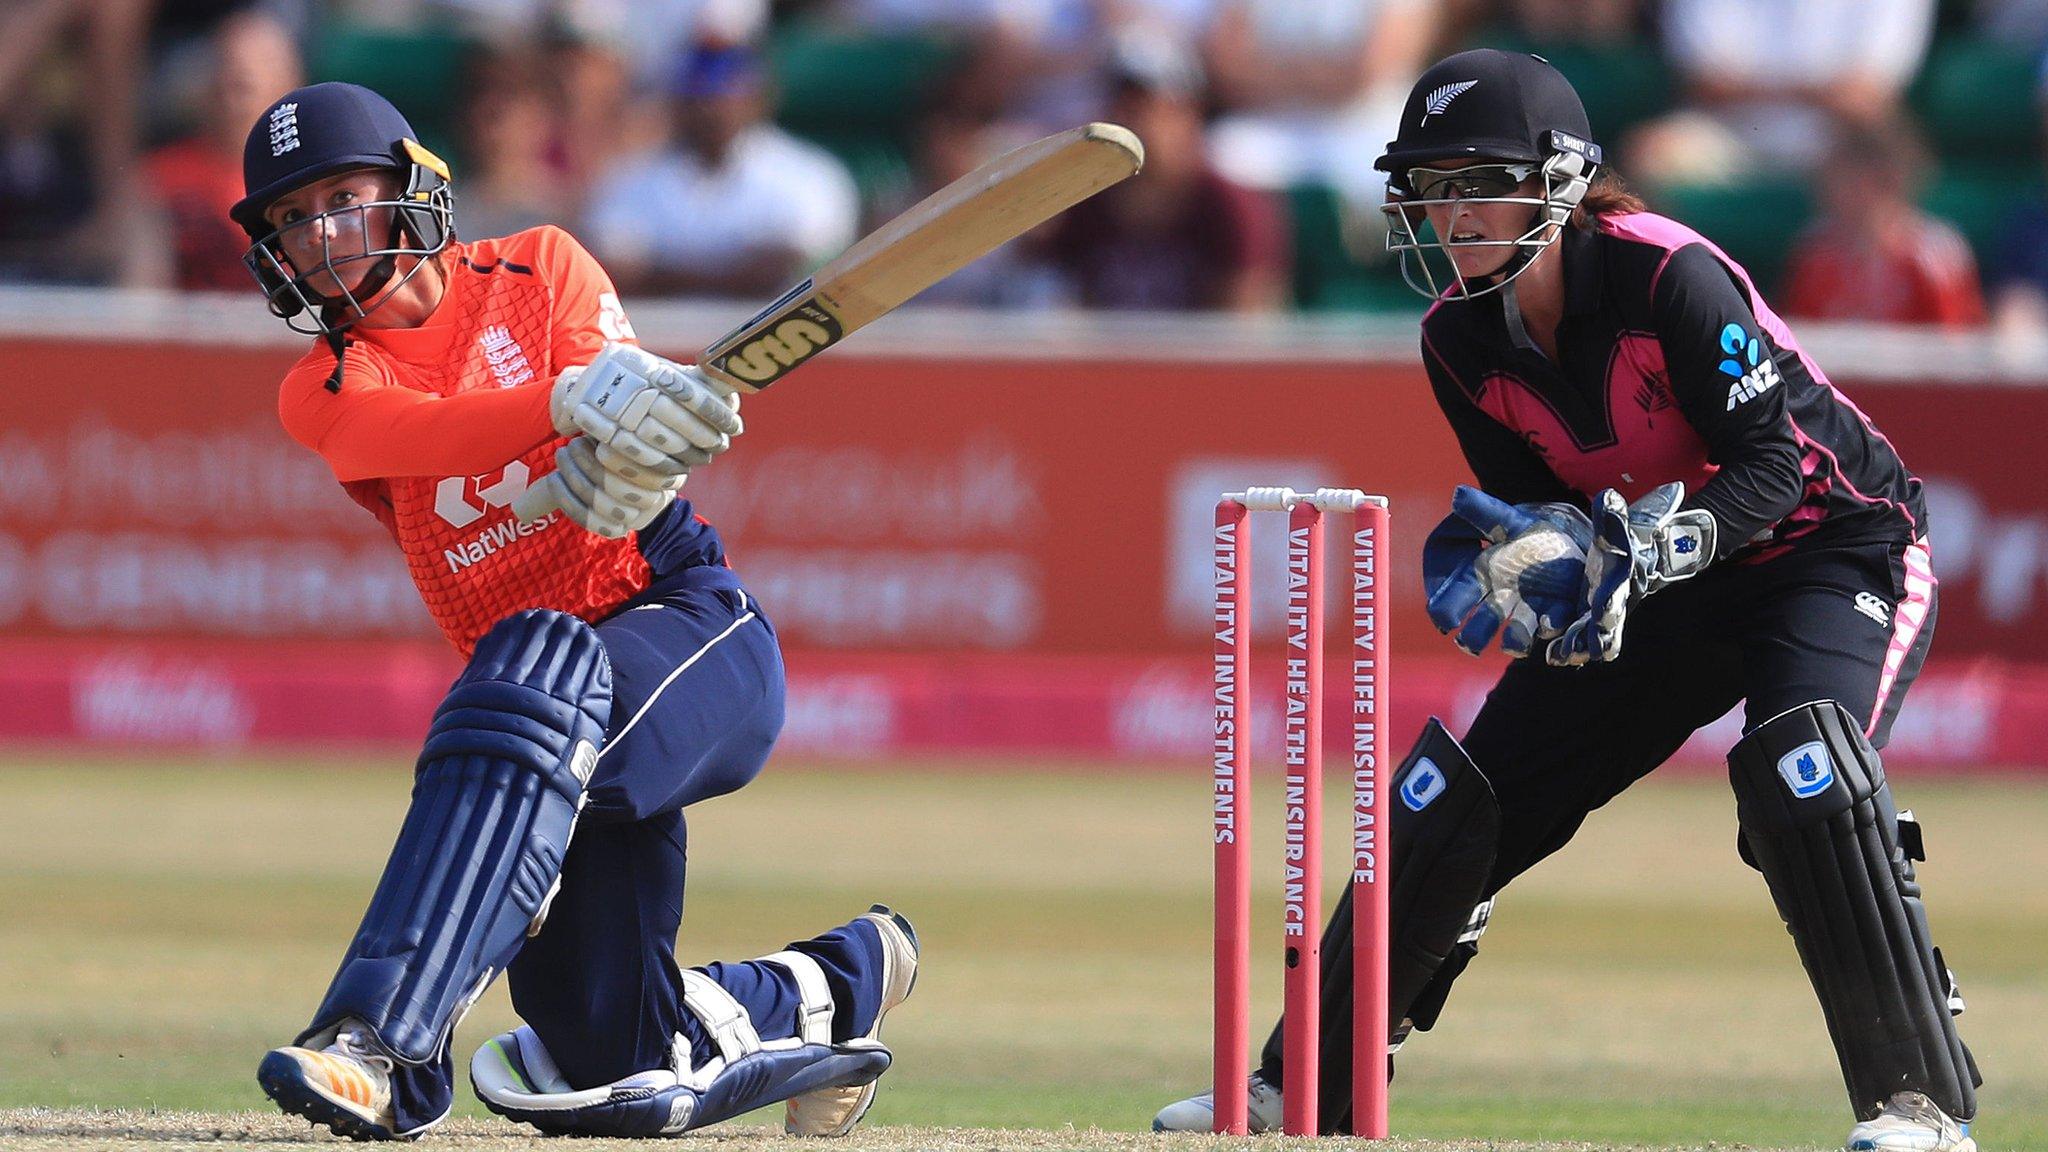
x: 1198, y: 1113
x: 835, y: 1111
x: 345, y: 1085
x: 1911, y: 1122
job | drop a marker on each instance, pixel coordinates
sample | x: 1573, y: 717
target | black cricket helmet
x: 1506, y: 109
x: 312, y: 133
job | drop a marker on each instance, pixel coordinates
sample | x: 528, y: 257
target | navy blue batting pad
x: 495, y: 796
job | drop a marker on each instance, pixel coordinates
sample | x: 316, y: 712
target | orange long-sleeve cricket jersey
x: 436, y: 429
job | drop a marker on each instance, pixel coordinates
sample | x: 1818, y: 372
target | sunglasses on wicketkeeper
x: 1480, y: 181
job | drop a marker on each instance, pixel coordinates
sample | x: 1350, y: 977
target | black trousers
x: 1849, y: 624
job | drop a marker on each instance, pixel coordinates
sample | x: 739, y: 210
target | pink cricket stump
x: 1302, y: 927
x: 1370, y: 1028
x: 1232, y: 782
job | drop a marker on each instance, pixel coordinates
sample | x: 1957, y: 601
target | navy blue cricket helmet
x: 318, y: 131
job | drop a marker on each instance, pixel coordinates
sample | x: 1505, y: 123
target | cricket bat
x: 944, y: 232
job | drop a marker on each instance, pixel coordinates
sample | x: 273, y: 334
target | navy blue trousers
x: 697, y: 704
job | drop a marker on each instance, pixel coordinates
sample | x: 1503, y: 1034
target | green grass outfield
x: 162, y: 924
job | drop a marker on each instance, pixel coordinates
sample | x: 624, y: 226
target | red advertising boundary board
x: 1962, y: 717
x: 962, y: 555
x: 898, y: 504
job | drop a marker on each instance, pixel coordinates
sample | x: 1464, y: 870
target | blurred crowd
x: 1871, y: 159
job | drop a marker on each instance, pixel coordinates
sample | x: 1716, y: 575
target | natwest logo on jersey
x: 463, y: 500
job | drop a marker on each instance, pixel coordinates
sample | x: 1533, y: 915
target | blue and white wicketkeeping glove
x: 1514, y: 569
x: 1637, y: 549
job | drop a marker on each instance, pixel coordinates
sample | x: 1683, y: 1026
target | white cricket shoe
x: 345, y: 1085
x: 834, y: 1111
x: 1911, y: 1122
x: 1198, y: 1113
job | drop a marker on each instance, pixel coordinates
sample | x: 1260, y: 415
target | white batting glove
x: 657, y: 414
x: 599, y: 499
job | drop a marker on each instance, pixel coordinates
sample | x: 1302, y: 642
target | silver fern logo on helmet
x: 1442, y: 97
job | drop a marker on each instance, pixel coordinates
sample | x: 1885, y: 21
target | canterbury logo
x: 1441, y: 99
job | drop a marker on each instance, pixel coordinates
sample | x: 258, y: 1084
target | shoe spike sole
x: 279, y: 1076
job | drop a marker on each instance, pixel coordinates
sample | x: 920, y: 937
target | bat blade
x: 943, y: 233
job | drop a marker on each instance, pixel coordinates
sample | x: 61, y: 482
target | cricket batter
x: 617, y: 672
x: 1676, y: 512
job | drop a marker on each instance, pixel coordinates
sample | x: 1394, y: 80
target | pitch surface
x: 165, y: 923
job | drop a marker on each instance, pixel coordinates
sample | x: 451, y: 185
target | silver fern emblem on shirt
x: 1442, y: 97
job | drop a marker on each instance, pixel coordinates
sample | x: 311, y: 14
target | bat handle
x: 722, y: 382
x: 537, y: 501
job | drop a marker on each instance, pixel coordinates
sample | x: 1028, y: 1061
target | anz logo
x: 1753, y: 372
x: 1807, y: 770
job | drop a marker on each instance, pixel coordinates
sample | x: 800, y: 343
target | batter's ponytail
x: 1609, y: 196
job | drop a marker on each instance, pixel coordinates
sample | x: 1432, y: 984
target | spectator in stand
x: 1765, y: 80
x: 1576, y: 21
x: 2019, y: 274
x: 734, y: 206
x: 72, y: 208
x: 1179, y: 235
x: 43, y: 168
x: 650, y: 36
x: 609, y: 66
x: 1038, y: 63
x: 953, y: 139
x: 599, y: 116
x: 509, y: 180
x: 194, y: 181
x: 998, y: 46
x: 2019, y: 23
x: 1313, y: 92
x: 1873, y: 254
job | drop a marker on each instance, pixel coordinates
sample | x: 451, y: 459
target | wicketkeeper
x: 617, y: 672
x: 1676, y: 512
